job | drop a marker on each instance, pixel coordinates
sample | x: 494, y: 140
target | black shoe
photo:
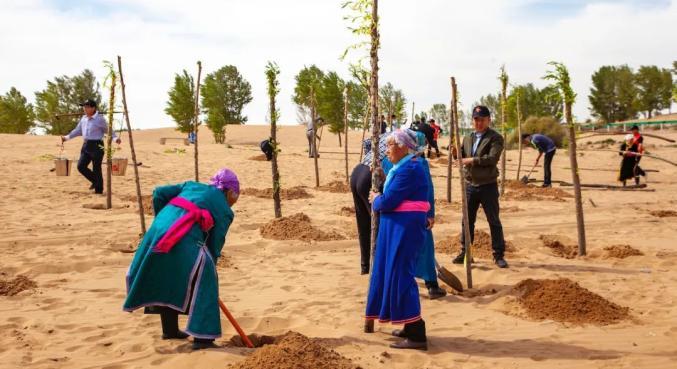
x: 179, y: 335
x: 91, y: 187
x: 202, y: 344
x: 546, y: 185
x: 460, y: 259
x: 501, y: 263
x: 399, y: 333
x: 407, y: 344
x: 436, y: 293
x: 365, y: 269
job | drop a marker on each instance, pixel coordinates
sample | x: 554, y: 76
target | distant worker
x: 544, y: 145
x: 384, y: 124
x: 480, y: 153
x: 312, y: 134
x: 429, y: 133
x: 436, y: 135
x: 632, y: 150
x: 191, y: 137
x: 394, y: 124
x: 92, y: 127
x: 267, y: 149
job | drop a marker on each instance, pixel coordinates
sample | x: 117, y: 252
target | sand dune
x: 53, y: 234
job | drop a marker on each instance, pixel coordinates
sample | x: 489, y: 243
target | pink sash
x: 418, y: 206
x: 193, y: 215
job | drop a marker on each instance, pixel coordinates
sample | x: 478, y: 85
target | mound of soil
x: 347, y: 211
x: 147, y: 202
x: 524, y: 192
x: 559, y: 248
x: 335, y: 187
x: 295, y: 351
x: 261, y: 157
x: 297, y: 227
x: 621, y: 251
x: 481, y: 246
x: 664, y: 213
x: 256, y: 339
x: 11, y: 287
x: 293, y: 193
x: 565, y: 301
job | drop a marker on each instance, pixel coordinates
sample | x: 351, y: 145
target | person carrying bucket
x: 92, y: 127
x: 174, y: 269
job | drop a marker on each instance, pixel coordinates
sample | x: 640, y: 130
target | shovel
x: 525, y: 179
x: 232, y: 320
x: 448, y: 277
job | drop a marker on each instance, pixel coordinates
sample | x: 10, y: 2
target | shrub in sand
x: 295, y: 351
x: 293, y: 193
x: 565, y: 301
x: 481, y: 245
x: 297, y: 227
x: 11, y: 287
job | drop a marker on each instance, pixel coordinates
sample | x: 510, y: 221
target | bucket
x: 119, y: 166
x: 63, y: 166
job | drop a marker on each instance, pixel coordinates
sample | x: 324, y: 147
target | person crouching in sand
x: 393, y: 292
x: 174, y: 269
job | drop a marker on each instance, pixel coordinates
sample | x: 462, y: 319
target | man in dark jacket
x: 480, y: 154
x: 429, y: 133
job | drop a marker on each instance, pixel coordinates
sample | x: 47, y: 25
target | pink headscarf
x: 225, y: 179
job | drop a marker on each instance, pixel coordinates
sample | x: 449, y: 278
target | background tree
x: 357, y: 104
x: 392, y: 101
x: 613, y: 95
x: 654, y: 87
x: 272, y: 73
x: 224, y: 95
x: 181, y: 104
x: 16, y: 114
x: 308, y: 78
x: 674, y: 86
x: 64, y: 95
x: 330, y: 102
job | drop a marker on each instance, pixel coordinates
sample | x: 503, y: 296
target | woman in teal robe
x: 183, y: 279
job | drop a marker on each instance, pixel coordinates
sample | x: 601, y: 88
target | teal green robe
x: 184, y: 279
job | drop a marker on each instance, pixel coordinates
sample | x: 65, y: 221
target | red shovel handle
x: 239, y: 330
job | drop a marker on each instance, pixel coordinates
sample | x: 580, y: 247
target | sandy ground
x: 78, y: 256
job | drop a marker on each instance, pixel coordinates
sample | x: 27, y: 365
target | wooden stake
x: 197, y: 118
x: 467, y: 245
x: 580, y: 222
x: 451, y: 145
x: 345, y: 126
x: 375, y: 126
x: 519, y: 134
x: 139, y: 198
x: 314, y: 143
x: 504, y: 87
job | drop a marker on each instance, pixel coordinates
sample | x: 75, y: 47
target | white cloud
x: 422, y: 44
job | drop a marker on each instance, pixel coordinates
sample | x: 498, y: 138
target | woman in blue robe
x: 403, y: 207
x: 174, y: 269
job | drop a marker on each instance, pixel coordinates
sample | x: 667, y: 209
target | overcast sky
x: 423, y: 44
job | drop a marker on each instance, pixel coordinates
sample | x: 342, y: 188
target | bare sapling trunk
x: 467, y: 245
x: 519, y: 136
x: 451, y: 146
x: 314, y: 140
x: 576, y: 179
x: 197, y: 119
x: 375, y: 126
x: 345, y: 127
x: 109, y: 143
x: 504, y: 87
x: 137, y: 180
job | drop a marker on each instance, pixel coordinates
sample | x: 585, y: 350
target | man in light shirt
x: 92, y: 127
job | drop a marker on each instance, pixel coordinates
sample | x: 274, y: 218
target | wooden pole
x: 580, y: 222
x: 504, y: 87
x: 197, y: 118
x: 519, y: 133
x: 109, y: 143
x: 413, y: 105
x: 451, y: 145
x: 271, y: 73
x: 314, y: 142
x: 345, y: 126
x: 467, y: 245
x: 139, y: 198
x: 365, y: 126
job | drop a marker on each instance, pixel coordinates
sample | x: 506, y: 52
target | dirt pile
x: 565, y: 301
x: 663, y: 213
x: 256, y: 340
x: 261, y: 157
x: 335, y: 187
x: 481, y: 246
x: 297, y: 227
x: 10, y: 287
x: 521, y: 192
x: 147, y: 202
x: 621, y: 251
x: 558, y: 247
x: 293, y: 193
x: 347, y: 211
x: 295, y: 351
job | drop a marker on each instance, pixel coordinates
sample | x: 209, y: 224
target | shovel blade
x: 449, y: 279
x: 524, y: 179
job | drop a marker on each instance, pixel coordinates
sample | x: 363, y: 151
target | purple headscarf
x: 225, y: 179
x: 401, y: 136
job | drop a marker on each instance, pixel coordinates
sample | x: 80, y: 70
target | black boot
x: 202, y: 343
x: 434, y: 290
x: 170, y: 325
x: 415, y: 337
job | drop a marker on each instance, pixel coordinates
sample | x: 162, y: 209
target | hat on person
x: 89, y: 102
x: 635, y: 127
x: 225, y: 179
x: 480, y: 111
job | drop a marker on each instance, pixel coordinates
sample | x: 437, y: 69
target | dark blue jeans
x: 487, y: 196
